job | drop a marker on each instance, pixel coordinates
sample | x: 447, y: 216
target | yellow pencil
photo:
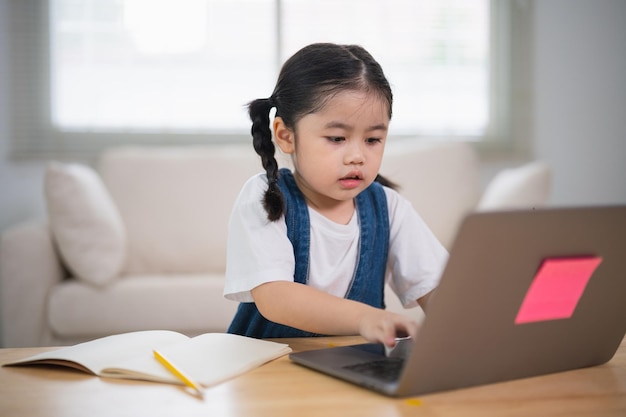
x: 179, y: 374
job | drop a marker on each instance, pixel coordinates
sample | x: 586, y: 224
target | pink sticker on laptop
x: 557, y: 288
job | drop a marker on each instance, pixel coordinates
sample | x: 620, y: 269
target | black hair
x: 306, y: 82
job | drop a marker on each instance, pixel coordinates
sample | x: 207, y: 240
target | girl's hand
x: 383, y: 327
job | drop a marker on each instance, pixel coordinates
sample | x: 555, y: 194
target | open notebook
x: 209, y: 358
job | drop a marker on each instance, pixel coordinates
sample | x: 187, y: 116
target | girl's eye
x: 373, y: 140
x: 335, y: 138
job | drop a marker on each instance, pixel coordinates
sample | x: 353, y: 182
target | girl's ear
x: 284, y: 137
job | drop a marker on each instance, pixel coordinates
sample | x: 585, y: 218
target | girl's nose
x: 354, y: 155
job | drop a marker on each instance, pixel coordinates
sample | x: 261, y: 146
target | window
x: 93, y: 73
x: 159, y: 65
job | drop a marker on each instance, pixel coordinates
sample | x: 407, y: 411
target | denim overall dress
x: 368, y: 282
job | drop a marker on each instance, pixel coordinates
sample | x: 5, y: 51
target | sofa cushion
x: 188, y: 303
x: 177, y: 203
x: 85, y: 222
x: 525, y: 186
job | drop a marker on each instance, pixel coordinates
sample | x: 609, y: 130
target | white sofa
x: 141, y: 244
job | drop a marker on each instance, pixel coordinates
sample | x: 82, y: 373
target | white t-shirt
x: 259, y: 251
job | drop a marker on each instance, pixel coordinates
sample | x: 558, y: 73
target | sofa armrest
x: 523, y: 187
x: 29, y: 268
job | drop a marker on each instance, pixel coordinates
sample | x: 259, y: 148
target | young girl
x: 309, y: 252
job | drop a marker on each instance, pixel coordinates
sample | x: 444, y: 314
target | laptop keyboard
x: 387, y: 370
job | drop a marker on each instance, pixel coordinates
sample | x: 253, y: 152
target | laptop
x: 524, y: 293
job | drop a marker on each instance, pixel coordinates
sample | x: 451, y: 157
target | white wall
x: 20, y: 182
x: 580, y: 98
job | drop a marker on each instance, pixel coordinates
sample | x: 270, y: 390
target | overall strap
x: 368, y: 283
x: 298, y: 224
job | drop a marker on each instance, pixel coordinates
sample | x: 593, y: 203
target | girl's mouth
x: 352, y: 180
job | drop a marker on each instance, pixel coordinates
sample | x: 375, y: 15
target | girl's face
x: 337, y: 151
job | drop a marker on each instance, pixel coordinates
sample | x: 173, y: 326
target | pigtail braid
x: 262, y: 141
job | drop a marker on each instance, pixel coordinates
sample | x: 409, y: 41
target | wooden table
x: 282, y: 388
